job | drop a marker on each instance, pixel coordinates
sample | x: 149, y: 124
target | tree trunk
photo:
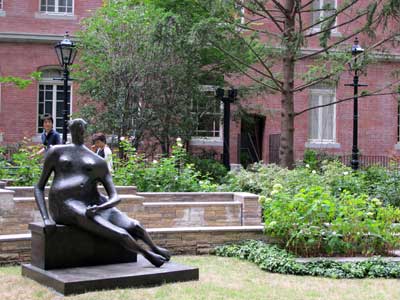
x: 286, y: 154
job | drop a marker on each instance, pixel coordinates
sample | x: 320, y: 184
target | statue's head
x: 77, y: 128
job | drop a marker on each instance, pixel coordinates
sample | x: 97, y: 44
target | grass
x: 220, y: 278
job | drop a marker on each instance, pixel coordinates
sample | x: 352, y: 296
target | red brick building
x: 29, y: 30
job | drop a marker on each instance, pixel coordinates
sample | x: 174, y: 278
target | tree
x: 276, y: 33
x: 141, y: 71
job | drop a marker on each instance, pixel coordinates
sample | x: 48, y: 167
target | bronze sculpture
x: 75, y: 200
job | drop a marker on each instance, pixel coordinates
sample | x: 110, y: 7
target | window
x: 1, y: 4
x: 321, y: 10
x: 322, y: 121
x: 51, y: 98
x: 208, y: 112
x: 56, y: 6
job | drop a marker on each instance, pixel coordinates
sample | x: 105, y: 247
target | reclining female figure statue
x: 75, y: 200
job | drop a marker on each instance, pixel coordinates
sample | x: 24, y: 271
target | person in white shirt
x: 101, y: 148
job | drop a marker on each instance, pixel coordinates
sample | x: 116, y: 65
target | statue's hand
x: 91, y: 210
x: 49, y: 226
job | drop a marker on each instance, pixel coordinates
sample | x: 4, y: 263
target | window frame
x: 56, y: 8
x: 54, y: 83
x: 210, y: 88
x: 320, y: 92
x: 317, y: 27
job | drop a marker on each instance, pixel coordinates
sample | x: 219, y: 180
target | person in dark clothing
x: 50, y: 136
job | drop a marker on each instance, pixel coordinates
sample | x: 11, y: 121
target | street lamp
x: 232, y: 94
x: 356, y: 50
x: 66, y: 52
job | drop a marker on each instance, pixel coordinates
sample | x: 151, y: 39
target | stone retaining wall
x: 153, y: 210
x: 189, y: 241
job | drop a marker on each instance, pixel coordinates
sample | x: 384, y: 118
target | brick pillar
x: 251, y: 208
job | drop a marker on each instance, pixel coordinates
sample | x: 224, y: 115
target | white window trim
x: 317, y: 27
x: 54, y: 83
x: 56, y: 13
x: 320, y: 141
x: 2, y: 11
x: 209, y: 140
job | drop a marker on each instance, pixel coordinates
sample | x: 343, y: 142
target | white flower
x: 307, y: 165
x: 122, y: 138
x: 155, y: 161
x: 178, y: 140
x: 314, y: 172
x: 345, y: 173
x: 277, y: 187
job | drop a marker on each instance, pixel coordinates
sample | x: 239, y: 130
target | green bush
x: 169, y: 174
x: 209, y: 168
x: 315, y: 222
x: 24, y: 169
x: 272, y: 259
x: 383, y: 184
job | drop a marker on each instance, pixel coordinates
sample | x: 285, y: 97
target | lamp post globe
x: 66, y: 53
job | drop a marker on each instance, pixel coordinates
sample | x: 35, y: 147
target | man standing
x: 49, y: 136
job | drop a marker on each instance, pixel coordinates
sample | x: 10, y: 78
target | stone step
x: 16, y: 248
x: 27, y: 191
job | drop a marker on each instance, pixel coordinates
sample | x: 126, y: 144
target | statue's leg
x: 135, y: 229
x: 102, y: 227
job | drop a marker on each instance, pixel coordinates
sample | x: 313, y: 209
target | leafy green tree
x: 142, y: 72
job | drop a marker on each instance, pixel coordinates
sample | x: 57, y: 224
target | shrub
x: 169, y: 174
x: 315, y: 222
x: 209, y: 168
x: 24, y: 170
x: 273, y: 259
x: 383, y: 184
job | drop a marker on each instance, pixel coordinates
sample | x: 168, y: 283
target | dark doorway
x: 251, y: 139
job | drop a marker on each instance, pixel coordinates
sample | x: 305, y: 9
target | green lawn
x: 220, y: 278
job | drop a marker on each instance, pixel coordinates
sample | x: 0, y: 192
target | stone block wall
x: 153, y: 210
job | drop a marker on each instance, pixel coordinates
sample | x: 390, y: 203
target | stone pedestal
x: 70, y: 247
x: 72, y: 261
x: 81, y: 280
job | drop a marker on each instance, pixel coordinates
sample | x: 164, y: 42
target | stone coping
x: 211, y: 229
x: 197, y: 203
x: 122, y: 196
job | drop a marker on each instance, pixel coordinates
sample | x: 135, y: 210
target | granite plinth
x: 69, y: 247
x: 85, y: 279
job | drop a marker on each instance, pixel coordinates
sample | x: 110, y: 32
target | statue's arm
x: 39, y: 188
x: 111, y: 191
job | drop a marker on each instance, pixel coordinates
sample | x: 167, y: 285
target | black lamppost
x: 232, y: 94
x: 355, y: 51
x: 66, y: 52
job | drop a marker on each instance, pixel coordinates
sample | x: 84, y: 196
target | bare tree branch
x: 375, y: 93
x: 334, y: 27
x: 272, y: 77
x: 242, y: 63
x: 331, y: 16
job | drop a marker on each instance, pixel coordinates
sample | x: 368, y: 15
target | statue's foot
x: 163, y: 252
x: 155, y: 259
